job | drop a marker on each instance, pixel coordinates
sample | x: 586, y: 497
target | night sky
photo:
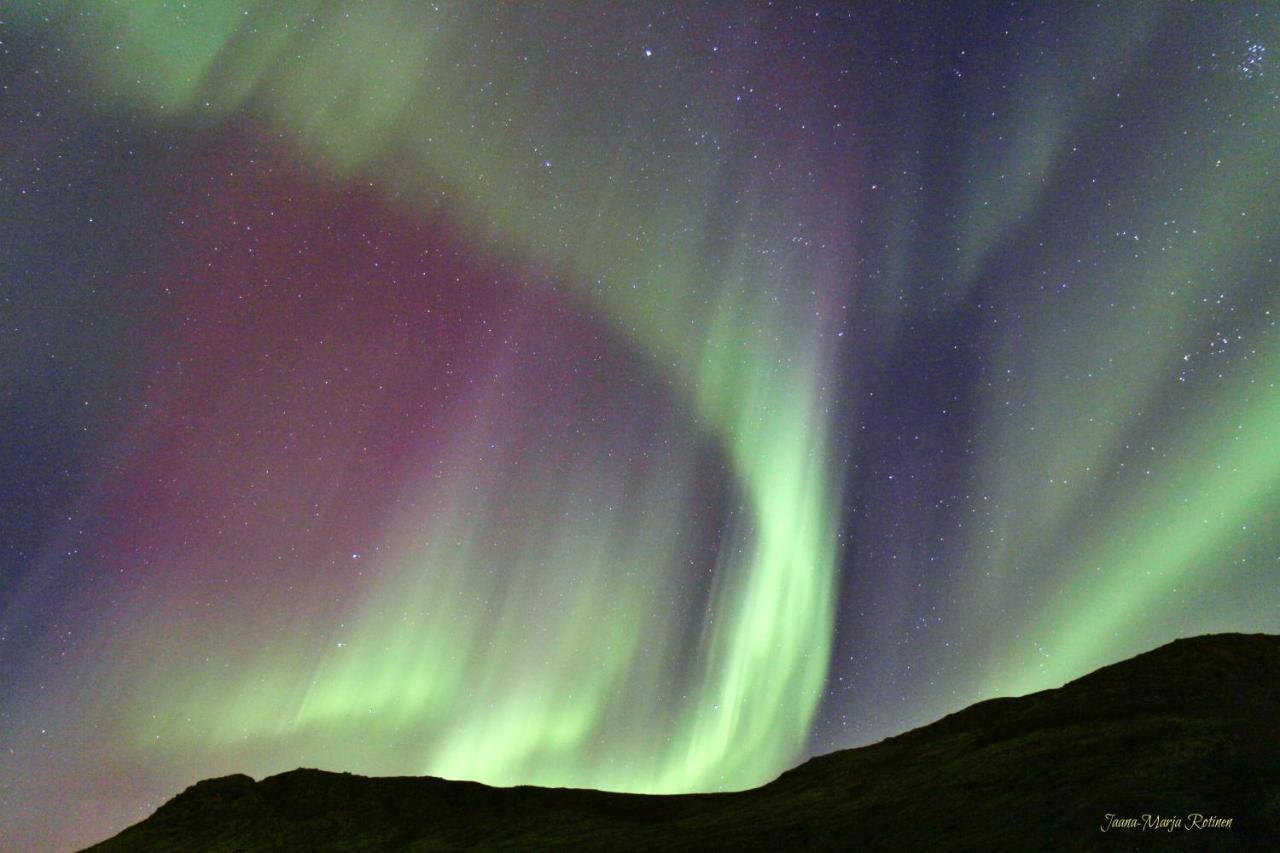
x: 638, y: 396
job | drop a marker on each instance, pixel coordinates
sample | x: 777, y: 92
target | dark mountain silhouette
x: 1189, y: 728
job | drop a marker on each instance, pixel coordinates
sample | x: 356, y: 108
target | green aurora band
x: 728, y: 330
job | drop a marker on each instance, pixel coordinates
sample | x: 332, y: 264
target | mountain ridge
x: 1184, y: 729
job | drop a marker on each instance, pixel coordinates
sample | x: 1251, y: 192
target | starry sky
x: 637, y: 396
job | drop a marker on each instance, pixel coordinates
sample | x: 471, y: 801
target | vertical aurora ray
x: 1135, y: 501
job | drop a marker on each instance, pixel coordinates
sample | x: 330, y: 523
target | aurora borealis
x: 619, y: 395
